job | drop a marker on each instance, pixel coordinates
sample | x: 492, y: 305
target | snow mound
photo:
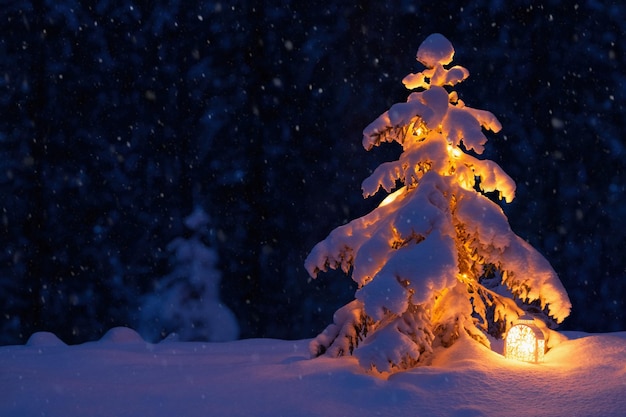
x: 170, y: 338
x: 44, y: 339
x: 122, y: 335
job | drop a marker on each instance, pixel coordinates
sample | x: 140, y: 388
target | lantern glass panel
x: 522, y: 343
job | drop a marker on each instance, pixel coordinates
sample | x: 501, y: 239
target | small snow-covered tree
x: 186, y: 302
x: 437, y: 259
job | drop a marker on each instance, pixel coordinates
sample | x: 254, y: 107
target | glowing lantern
x: 525, y: 341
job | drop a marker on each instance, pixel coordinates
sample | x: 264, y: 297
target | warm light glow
x: 391, y: 197
x: 456, y: 152
x: 525, y: 342
x: 419, y: 129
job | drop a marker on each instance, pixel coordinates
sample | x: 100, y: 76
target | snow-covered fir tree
x: 437, y: 259
x: 186, y: 304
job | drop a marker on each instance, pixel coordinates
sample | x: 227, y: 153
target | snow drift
x: 121, y: 375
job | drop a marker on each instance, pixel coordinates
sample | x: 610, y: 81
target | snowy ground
x: 121, y: 375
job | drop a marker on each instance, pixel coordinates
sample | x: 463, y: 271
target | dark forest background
x: 118, y: 118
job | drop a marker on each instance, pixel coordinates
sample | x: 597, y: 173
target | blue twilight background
x: 117, y: 118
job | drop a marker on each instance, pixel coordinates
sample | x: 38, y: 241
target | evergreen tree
x: 437, y: 259
x: 186, y: 302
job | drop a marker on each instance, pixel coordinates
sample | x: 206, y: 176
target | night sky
x: 117, y: 120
